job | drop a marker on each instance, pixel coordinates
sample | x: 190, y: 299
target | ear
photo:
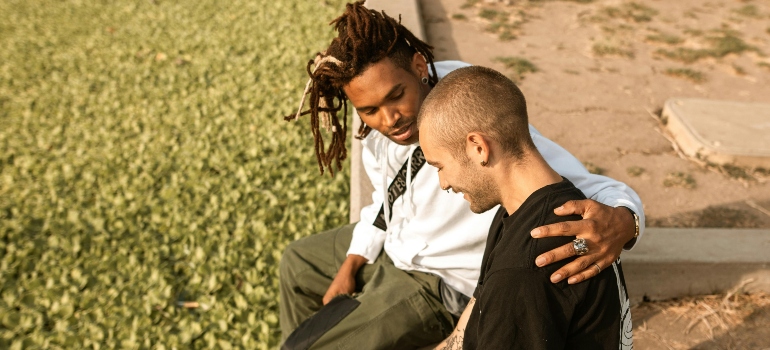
x: 419, y: 65
x: 477, y: 147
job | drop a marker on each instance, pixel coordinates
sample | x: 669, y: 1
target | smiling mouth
x: 401, y: 130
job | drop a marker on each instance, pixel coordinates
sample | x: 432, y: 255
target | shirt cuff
x: 367, y: 241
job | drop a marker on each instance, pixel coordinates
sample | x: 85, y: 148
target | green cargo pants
x: 399, y: 309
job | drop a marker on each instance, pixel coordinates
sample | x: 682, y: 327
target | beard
x: 480, y: 190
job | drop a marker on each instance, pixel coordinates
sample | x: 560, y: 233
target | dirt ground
x: 596, y: 75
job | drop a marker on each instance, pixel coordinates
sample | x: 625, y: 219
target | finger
x: 573, y: 207
x: 572, y: 269
x: 593, y: 270
x: 555, y: 255
x: 564, y: 228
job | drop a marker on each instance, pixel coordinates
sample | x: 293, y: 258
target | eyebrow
x: 433, y: 164
x: 389, y: 95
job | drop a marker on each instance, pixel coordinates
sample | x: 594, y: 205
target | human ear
x: 477, y: 148
x: 419, y: 65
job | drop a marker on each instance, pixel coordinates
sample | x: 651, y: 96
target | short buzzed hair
x: 477, y: 99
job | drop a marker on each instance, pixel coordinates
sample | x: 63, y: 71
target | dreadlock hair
x: 364, y: 37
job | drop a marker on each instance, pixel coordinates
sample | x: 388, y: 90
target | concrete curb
x: 676, y: 262
x: 667, y: 263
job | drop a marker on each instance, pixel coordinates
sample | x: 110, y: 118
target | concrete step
x: 720, y: 132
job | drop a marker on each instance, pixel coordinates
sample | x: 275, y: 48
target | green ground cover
x: 144, y: 163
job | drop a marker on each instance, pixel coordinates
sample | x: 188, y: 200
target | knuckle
x: 583, y: 264
x: 570, y: 249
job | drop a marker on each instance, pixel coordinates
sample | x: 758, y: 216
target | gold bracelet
x: 636, y: 222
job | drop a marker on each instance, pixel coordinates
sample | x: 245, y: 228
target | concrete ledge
x: 672, y: 263
x: 360, y: 187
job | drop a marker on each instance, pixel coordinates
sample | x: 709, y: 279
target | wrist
x: 634, y: 228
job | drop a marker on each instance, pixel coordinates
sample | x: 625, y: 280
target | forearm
x: 455, y: 340
x: 351, y: 265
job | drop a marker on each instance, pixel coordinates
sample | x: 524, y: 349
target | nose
x: 390, y: 116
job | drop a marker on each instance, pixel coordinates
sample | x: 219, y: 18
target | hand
x: 605, y: 229
x: 345, y: 280
x: 342, y: 284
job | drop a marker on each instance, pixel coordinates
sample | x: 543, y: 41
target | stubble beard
x: 481, y: 191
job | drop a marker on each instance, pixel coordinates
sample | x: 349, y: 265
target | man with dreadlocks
x: 414, y: 258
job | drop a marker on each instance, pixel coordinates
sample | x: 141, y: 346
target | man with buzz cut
x: 474, y: 130
x: 413, y: 260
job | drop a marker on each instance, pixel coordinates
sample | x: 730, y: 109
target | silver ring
x: 580, y: 246
x: 598, y: 268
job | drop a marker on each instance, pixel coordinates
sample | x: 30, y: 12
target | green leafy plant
x: 148, y: 182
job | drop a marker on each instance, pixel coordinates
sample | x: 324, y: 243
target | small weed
x: 764, y: 65
x: 507, y: 35
x: 459, y: 17
x: 686, y: 73
x: 602, y: 50
x: 748, y: 11
x: 518, y: 65
x: 738, y: 69
x: 635, y: 171
x: 694, y: 32
x: 736, y: 172
x: 593, y: 168
x: 491, y: 14
x: 570, y: 71
x: 469, y: 4
x: 691, y: 14
x: 631, y: 11
x: 665, y: 38
x: 767, y: 30
x: 679, y: 179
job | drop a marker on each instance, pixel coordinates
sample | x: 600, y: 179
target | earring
x: 424, y: 80
x: 484, y: 163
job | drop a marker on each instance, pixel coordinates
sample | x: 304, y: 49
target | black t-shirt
x: 517, y: 306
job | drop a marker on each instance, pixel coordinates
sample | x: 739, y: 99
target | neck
x: 518, y: 180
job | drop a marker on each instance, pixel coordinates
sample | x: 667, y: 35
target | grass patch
x: 603, y: 50
x: 722, y: 44
x: 492, y: 14
x: 593, y: 168
x: 665, y: 38
x: 686, y: 73
x: 764, y: 65
x: 630, y: 11
x: 570, y: 71
x: 459, y: 17
x: 469, y: 4
x: 635, y: 171
x: 518, y: 65
x: 749, y: 11
x: 145, y: 163
x: 679, y: 179
x: 694, y: 32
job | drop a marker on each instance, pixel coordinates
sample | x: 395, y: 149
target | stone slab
x: 721, y: 132
x: 360, y: 186
x: 677, y: 262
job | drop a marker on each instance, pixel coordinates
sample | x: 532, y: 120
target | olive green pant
x: 399, y: 309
